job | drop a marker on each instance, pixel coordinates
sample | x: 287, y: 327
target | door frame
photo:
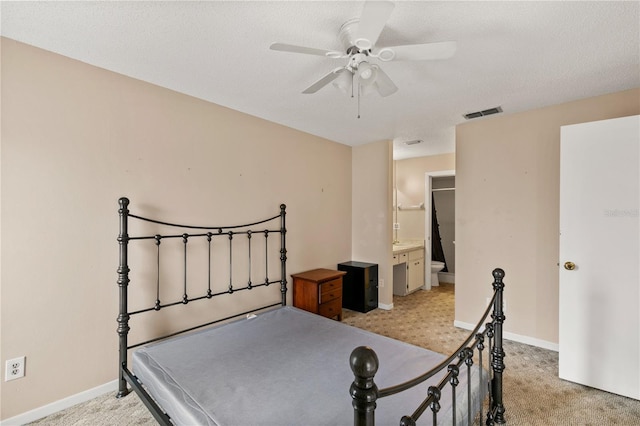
x: 428, y: 183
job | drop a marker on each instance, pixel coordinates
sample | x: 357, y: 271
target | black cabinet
x: 359, y: 286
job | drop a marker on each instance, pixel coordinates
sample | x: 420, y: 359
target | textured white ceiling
x: 519, y: 55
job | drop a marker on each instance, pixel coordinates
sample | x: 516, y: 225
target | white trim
x: 54, y: 407
x: 385, y: 306
x: 447, y: 277
x: 532, y: 341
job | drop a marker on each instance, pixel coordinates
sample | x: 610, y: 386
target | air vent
x: 482, y: 113
x: 413, y: 142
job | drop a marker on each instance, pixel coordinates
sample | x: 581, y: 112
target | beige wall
x: 371, y: 238
x: 74, y: 139
x: 507, y: 209
x: 410, y: 183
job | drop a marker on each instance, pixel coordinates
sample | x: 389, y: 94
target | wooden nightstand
x: 319, y: 291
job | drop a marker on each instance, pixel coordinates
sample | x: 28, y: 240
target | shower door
x: 599, y: 318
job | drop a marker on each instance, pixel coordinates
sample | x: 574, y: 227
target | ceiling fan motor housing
x: 348, y: 40
x: 356, y: 59
x: 347, y: 37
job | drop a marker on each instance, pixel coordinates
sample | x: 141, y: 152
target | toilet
x: 435, y: 268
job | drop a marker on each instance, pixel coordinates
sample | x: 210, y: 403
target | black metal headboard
x: 248, y: 232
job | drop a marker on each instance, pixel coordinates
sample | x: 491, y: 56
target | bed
x: 265, y: 363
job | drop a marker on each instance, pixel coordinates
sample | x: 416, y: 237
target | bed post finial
x: 497, y: 354
x: 364, y: 364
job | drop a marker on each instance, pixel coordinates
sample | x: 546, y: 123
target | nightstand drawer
x: 330, y: 290
x: 331, y: 309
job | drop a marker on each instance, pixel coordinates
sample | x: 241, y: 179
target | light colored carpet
x: 533, y: 394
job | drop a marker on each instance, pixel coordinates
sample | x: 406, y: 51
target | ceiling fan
x: 359, y: 37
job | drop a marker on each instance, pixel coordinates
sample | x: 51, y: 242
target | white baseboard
x: 447, y: 277
x: 515, y: 337
x: 54, y: 407
x: 385, y: 306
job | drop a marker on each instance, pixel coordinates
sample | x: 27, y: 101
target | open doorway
x: 440, y: 187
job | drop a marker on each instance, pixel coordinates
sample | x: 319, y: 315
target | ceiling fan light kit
x: 344, y: 82
x: 366, y: 73
x: 359, y: 37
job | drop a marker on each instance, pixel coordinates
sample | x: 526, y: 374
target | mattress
x: 285, y: 367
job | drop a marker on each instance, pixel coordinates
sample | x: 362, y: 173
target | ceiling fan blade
x: 383, y: 83
x: 417, y: 52
x: 372, y: 20
x: 306, y: 50
x: 324, y: 81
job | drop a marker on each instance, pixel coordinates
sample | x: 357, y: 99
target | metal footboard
x: 364, y: 364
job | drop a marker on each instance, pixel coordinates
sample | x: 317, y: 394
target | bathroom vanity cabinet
x: 416, y: 270
x: 408, y: 270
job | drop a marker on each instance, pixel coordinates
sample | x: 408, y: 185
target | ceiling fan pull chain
x: 359, y: 90
x: 352, y: 85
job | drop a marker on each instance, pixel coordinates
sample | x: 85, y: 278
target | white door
x: 599, y: 334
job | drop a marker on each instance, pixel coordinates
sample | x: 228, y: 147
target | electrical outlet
x: 14, y: 368
x: 396, y: 226
x: 381, y: 283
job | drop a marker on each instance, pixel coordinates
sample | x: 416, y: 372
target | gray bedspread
x: 283, y: 367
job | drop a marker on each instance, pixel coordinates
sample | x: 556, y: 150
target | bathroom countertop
x: 406, y: 246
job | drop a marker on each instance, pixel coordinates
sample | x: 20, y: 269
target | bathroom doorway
x: 440, y: 186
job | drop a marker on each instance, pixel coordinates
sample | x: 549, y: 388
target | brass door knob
x: 569, y: 266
